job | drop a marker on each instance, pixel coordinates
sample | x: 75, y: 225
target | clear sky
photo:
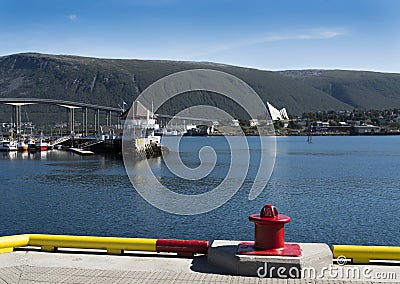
x: 264, y: 34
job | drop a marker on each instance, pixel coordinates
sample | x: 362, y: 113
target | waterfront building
x: 277, y: 114
x: 366, y: 129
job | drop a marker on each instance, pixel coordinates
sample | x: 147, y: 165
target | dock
x: 81, y: 152
x: 38, y: 258
x: 29, y: 266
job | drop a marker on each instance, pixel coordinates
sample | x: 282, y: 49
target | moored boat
x: 42, y: 146
x: 4, y: 146
x: 22, y: 146
x: 7, y: 145
x: 31, y: 145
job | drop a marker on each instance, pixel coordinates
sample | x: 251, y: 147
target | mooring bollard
x: 269, y: 235
x: 269, y: 228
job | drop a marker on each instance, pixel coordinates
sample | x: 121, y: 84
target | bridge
x: 70, y: 106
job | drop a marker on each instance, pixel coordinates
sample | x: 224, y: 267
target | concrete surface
x: 93, y: 267
x: 222, y: 253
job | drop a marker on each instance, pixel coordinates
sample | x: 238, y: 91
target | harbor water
x: 337, y: 190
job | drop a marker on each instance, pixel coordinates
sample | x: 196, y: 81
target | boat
x: 198, y: 131
x: 7, y: 146
x: 22, y: 146
x: 13, y: 146
x: 31, y: 145
x: 168, y: 132
x: 42, y: 146
x: 4, y: 146
x: 171, y: 133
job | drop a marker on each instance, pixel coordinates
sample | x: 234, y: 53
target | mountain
x: 360, y: 89
x: 108, y: 82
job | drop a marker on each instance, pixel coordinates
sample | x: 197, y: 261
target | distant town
x: 356, y: 122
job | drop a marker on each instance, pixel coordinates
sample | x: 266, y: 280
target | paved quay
x: 30, y: 266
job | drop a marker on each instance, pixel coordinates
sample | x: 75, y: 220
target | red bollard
x: 269, y: 235
x: 269, y: 228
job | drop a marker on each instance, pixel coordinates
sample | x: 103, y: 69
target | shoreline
x: 313, y: 134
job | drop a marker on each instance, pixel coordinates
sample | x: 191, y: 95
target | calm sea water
x: 337, y: 190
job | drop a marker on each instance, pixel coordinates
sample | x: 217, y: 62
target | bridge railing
x: 61, y: 140
x: 89, y: 143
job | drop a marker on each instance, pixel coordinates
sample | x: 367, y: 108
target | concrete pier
x: 90, y: 266
x: 223, y: 254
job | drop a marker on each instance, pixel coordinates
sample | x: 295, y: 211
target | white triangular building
x: 277, y: 114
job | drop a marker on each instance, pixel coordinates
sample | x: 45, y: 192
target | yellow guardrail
x: 363, y: 254
x: 52, y: 242
x: 8, y: 243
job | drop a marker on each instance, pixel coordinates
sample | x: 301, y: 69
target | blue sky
x: 271, y: 35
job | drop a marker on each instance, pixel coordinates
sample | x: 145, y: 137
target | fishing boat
x: 31, y: 145
x: 22, y: 146
x: 4, y: 146
x: 7, y: 146
x: 42, y: 146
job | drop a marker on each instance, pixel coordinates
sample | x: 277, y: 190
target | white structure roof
x: 277, y: 114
